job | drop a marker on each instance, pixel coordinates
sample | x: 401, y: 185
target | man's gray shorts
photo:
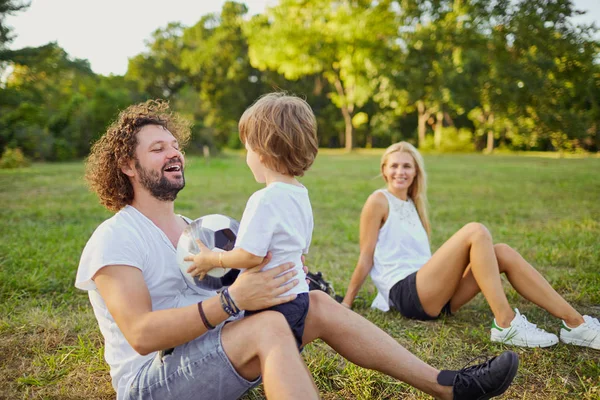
x: 196, y: 370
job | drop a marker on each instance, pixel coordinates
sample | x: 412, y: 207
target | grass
x: 548, y: 209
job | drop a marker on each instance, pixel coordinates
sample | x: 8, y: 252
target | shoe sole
x: 579, y: 342
x: 514, y: 358
x: 524, y: 344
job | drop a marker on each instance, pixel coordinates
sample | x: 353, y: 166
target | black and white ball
x: 218, y: 233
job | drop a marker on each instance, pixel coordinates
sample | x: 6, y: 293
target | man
x: 165, y: 341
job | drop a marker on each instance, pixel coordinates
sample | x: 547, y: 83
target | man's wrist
x: 228, y: 304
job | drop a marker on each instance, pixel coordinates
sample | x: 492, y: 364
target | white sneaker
x: 522, y: 333
x: 586, y: 334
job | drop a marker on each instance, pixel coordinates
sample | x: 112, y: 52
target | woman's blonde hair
x: 282, y: 129
x: 418, y: 189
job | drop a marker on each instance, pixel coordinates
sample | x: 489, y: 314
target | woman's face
x: 399, y: 171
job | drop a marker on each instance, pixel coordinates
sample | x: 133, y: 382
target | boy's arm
x: 238, y: 258
x: 207, y: 259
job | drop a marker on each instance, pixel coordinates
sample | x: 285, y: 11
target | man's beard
x: 157, y: 183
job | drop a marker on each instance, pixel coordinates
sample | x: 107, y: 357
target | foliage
x: 516, y: 74
x: 13, y: 158
x: 452, y: 141
x: 8, y: 7
x: 344, y: 41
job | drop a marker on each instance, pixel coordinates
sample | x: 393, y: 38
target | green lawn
x: 548, y: 209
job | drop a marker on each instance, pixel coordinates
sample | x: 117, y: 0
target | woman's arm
x: 372, y: 217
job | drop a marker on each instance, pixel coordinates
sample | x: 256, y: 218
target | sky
x: 107, y: 33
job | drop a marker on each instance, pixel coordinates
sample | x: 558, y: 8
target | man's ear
x: 128, y: 168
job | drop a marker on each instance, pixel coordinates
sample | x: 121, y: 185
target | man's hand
x: 256, y: 289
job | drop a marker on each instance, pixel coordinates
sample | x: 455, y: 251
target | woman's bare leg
x: 364, y: 344
x: 439, y: 279
x: 526, y: 280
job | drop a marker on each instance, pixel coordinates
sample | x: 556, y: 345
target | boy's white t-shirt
x: 278, y: 219
x: 130, y: 238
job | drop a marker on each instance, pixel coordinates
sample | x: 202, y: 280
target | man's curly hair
x: 117, y: 147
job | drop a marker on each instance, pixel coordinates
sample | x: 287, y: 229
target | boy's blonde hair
x: 418, y: 189
x: 282, y: 129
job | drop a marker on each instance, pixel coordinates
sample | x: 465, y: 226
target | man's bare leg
x: 364, y: 344
x: 264, y: 344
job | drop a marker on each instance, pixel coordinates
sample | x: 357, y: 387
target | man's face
x: 159, y: 163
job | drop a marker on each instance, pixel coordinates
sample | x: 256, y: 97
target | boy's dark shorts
x: 404, y: 298
x: 294, y: 312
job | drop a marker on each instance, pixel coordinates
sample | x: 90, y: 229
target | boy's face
x: 255, y: 165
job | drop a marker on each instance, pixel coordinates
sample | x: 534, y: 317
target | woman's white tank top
x: 402, y: 248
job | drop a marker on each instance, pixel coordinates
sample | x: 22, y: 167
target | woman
x: 394, y: 250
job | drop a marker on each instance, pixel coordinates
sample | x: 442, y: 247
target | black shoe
x: 482, y: 381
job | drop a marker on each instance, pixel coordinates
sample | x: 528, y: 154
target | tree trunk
x: 490, y: 135
x: 437, y: 136
x: 490, y: 142
x: 349, y: 128
x: 347, y: 111
x: 422, y: 119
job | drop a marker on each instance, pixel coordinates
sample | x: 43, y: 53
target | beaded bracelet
x: 228, y: 304
x: 207, y: 324
x: 230, y: 301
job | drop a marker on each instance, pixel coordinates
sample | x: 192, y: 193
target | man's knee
x: 321, y: 308
x: 258, y: 331
x: 477, y: 231
x: 320, y: 302
x: 269, y: 327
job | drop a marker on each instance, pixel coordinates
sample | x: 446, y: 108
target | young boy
x: 280, y: 135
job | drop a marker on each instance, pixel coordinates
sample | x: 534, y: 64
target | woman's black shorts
x: 404, y: 298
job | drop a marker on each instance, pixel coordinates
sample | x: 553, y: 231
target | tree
x: 437, y: 36
x: 215, y: 56
x: 157, y: 72
x: 552, y: 62
x: 8, y: 7
x: 344, y: 41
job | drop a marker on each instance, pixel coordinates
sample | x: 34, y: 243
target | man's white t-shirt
x: 278, y: 219
x: 130, y: 238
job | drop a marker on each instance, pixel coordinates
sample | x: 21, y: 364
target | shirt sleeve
x: 108, y: 245
x: 257, y: 226
x: 309, y: 234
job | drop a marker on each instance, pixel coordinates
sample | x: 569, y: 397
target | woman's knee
x: 477, y: 231
x: 504, y: 255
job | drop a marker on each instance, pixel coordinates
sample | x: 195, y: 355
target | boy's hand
x: 202, y: 262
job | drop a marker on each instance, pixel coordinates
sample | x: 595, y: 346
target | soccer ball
x: 218, y: 233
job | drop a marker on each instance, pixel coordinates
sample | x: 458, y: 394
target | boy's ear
x: 128, y: 168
